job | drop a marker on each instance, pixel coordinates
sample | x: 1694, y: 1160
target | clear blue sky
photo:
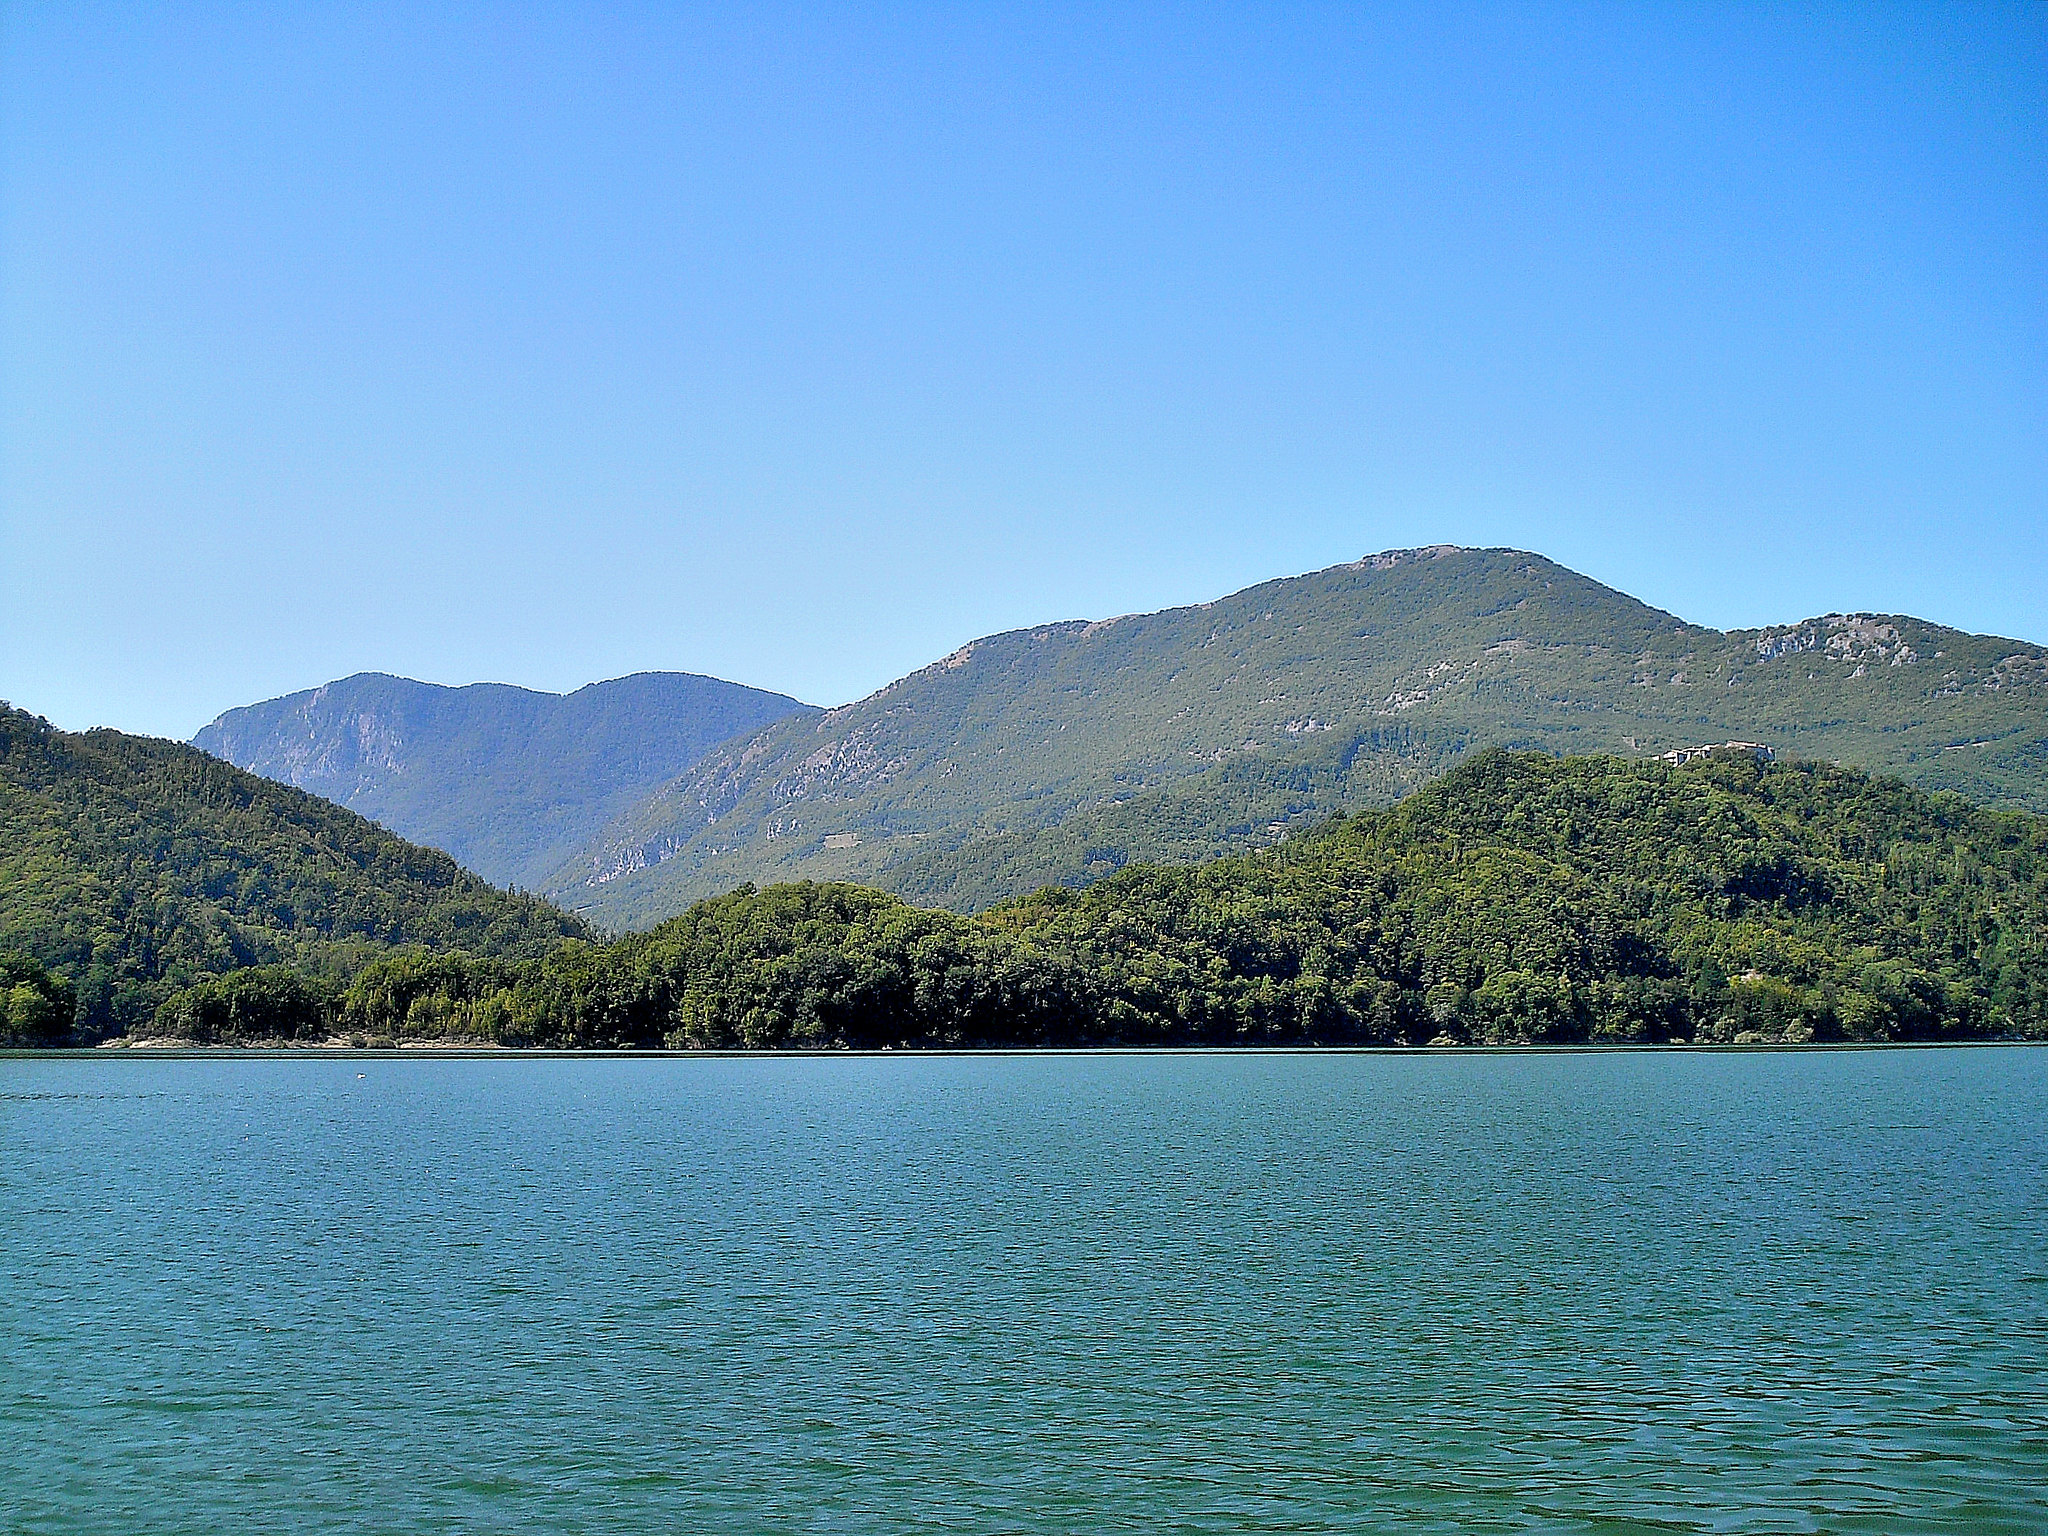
x: 548, y: 343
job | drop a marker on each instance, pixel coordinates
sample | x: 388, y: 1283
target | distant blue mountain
x: 507, y: 780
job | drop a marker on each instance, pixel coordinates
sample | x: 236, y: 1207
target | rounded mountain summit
x: 1059, y: 753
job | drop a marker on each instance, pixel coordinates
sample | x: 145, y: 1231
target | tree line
x: 1520, y: 899
x: 132, y: 869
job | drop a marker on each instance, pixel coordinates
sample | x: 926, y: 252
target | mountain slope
x: 507, y: 780
x: 1521, y: 898
x: 1058, y: 754
x: 1525, y: 898
x: 131, y: 867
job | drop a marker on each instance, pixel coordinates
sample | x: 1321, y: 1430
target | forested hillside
x: 131, y: 867
x: 1519, y: 899
x: 1060, y: 754
x: 507, y: 780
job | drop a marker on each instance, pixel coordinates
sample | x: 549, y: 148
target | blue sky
x: 797, y: 346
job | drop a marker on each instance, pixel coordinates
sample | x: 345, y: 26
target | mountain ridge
x: 1338, y: 688
x: 505, y: 779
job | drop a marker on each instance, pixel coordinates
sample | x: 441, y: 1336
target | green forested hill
x: 508, y: 780
x: 1518, y: 899
x: 1524, y: 898
x: 130, y: 867
x: 1059, y: 754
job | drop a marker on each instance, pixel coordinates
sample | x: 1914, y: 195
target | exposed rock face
x: 1854, y: 639
x: 339, y: 752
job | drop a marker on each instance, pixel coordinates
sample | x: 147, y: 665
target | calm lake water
x: 1613, y: 1293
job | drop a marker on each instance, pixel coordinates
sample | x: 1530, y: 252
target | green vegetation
x: 36, y: 1008
x: 1531, y: 899
x: 148, y: 888
x: 1519, y: 899
x: 508, y: 781
x: 794, y: 966
x: 1060, y: 754
x: 132, y: 868
x: 261, y: 1004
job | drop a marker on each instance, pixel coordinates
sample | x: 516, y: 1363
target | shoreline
x: 185, y: 1051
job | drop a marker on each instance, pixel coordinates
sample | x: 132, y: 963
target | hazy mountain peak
x: 507, y: 779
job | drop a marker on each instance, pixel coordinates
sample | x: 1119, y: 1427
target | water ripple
x: 1633, y: 1293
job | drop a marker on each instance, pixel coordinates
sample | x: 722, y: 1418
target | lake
x: 1627, y: 1292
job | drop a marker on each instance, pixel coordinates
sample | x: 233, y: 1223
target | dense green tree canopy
x: 36, y: 1008
x: 133, y: 867
x: 1527, y: 898
x: 1521, y: 899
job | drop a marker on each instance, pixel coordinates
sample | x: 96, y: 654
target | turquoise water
x: 1613, y: 1293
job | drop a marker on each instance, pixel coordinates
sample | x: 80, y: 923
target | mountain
x: 1519, y: 899
x: 1056, y: 755
x: 507, y: 780
x: 131, y: 867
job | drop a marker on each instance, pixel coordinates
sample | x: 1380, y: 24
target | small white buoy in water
x: 359, y: 1077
